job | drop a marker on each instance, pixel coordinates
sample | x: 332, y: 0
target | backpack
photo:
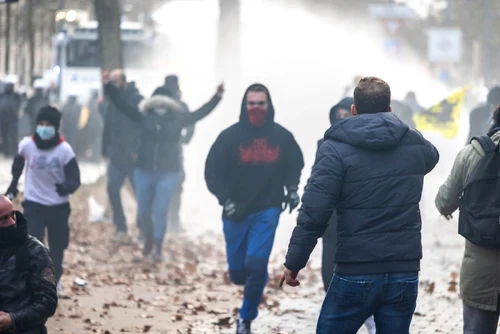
x: 479, y: 219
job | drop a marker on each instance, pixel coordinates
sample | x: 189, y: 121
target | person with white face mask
x: 52, y: 174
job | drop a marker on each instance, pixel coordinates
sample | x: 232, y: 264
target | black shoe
x: 243, y: 326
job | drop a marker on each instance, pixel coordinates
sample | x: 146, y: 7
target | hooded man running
x: 248, y: 168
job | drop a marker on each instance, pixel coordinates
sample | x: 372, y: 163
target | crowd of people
x: 362, y: 198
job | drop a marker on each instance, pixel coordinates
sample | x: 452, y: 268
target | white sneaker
x: 60, y: 291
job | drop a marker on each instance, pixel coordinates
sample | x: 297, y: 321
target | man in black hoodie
x: 248, y: 168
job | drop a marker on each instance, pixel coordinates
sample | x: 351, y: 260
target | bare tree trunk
x: 31, y: 39
x: 7, y: 39
x: 229, y: 41
x: 108, y: 14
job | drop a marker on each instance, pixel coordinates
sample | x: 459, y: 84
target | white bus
x: 76, y: 69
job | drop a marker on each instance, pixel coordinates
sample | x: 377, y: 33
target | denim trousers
x: 154, y: 190
x: 350, y: 300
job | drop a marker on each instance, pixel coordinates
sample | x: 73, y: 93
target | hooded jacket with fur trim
x: 161, y: 119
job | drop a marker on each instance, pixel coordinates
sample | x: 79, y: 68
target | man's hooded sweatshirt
x: 252, y: 166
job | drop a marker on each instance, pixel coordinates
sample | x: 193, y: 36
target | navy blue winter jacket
x: 371, y: 169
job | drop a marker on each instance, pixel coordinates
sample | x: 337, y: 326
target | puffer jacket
x: 161, y: 121
x: 371, y: 169
x: 480, y: 272
x: 30, y: 301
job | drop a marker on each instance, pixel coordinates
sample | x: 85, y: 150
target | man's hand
x: 220, y: 89
x: 5, y: 321
x: 290, y: 278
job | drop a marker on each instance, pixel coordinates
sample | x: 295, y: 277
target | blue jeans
x: 154, y: 191
x: 116, y: 178
x: 248, y: 247
x: 350, y: 300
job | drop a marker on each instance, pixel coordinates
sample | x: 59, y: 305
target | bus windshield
x: 85, y: 53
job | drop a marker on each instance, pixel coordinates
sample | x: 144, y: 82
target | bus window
x: 85, y: 53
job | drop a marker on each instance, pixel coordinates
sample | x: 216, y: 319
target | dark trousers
x: 116, y: 178
x: 350, y: 300
x: 8, y: 131
x: 478, y: 321
x: 329, y: 248
x: 56, y: 220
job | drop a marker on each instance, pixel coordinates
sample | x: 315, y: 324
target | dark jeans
x: 56, y: 220
x: 8, y: 131
x: 350, y: 300
x: 478, y: 321
x: 116, y: 178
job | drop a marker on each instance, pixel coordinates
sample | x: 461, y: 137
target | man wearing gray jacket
x: 480, y: 272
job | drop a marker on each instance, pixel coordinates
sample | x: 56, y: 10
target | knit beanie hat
x: 51, y: 115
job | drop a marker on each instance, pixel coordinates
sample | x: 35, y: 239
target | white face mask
x: 161, y: 111
x: 45, y: 132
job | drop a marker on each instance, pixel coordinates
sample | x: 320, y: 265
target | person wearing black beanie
x: 52, y: 175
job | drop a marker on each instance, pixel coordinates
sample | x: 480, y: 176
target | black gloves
x: 62, y: 190
x: 12, y: 192
x: 292, y: 199
x: 233, y: 212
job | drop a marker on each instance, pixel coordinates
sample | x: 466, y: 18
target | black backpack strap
x: 486, y: 143
x: 23, y: 259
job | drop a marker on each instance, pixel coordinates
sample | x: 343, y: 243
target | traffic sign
x: 393, y: 11
x: 444, y: 45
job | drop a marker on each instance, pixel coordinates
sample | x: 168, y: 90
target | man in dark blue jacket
x: 371, y: 170
x: 120, y: 142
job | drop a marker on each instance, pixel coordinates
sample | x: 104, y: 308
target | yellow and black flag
x: 443, y: 117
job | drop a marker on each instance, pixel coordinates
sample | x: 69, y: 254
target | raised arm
x: 191, y: 118
x: 121, y: 103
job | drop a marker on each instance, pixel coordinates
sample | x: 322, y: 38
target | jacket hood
x: 380, y: 131
x: 270, y: 111
x: 345, y: 103
x: 159, y: 104
x: 495, y: 136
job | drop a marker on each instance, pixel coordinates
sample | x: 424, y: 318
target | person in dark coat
x: 91, y: 134
x: 10, y: 107
x: 248, y: 169
x: 412, y: 102
x: 481, y: 117
x: 36, y: 102
x: 404, y: 112
x: 171, y: 89
x: 70, y: 122
x: 120, y: 144
x: 27, y: 280
x: 160, y: 120
x: 370, y: 169
x: 338, y: 112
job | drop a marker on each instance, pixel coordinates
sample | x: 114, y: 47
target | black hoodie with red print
x: 252, y: 166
